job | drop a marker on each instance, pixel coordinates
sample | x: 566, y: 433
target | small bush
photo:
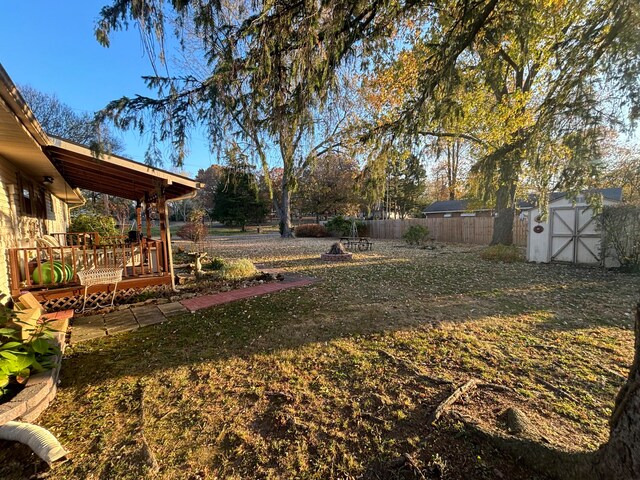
x: 194, y: 231
x: 311, y: 230
x: 238, y: 270
x: 341, y: 226
x: 416, y: 235
x: 620, y: 227
x: 105, y: 225
x: 22, y: 355
x: 503, y: 253
x: 214, y: 264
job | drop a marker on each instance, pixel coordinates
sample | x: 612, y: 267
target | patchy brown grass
x: 298, y: 384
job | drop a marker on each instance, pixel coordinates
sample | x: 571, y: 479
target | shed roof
x: 447, y: 206
x: 614, y: 194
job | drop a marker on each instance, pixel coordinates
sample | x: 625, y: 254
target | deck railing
x: 89, y: 238
x: 143, y: 258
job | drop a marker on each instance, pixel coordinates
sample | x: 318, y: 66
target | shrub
x: 311, y: 230
x: 238, y: 270
x: 416, y: 235
x: 105, y: 225
x: 342, y: 226
x: 195, y: 229
x: 620, y: 226
x: 215, y: 264
x: 503, y: 253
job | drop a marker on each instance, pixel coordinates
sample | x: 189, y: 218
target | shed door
x: 574, y: 237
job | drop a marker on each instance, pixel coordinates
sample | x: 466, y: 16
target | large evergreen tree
x: 533, y: 90
x: 236, y: 200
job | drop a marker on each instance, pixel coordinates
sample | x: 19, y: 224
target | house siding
x: 18, y: 230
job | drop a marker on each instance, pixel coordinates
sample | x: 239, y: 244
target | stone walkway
x: 96, y: 326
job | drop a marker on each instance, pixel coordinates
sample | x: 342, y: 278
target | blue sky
x: 50, y: 45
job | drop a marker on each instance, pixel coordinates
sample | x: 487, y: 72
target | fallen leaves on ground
x: 293, y: 384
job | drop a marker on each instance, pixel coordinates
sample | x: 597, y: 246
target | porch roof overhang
x: 22, y: 140
x: 24, y: 143
x: 116, y: 175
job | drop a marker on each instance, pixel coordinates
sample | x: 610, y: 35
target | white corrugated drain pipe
x: 40, y: 440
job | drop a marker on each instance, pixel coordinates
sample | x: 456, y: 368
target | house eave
x: 22, y: 140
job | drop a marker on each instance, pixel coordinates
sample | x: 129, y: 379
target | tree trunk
x: 505, y: 208
x: 619, y: 458
x: 105, y: 204
x: 284, y: 212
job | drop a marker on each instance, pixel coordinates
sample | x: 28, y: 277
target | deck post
x: 139, y: 219
x: 165, y: 234
x: 147, y: 214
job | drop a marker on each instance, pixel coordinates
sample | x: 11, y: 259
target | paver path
x: 96, y: 326
x: 206, y: 301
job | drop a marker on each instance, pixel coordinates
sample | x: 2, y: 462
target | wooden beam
x: 88, y: 175
x: 165, y: 235
x: 101, y: 165
x: 138, y: 219
x: 147, y: 214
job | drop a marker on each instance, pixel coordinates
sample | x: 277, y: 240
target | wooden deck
x: 144, y: 263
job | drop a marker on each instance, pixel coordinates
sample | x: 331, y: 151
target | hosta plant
x: 20, y: 357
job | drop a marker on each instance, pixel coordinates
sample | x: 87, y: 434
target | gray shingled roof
x: 447, y: 206
x: 450, y: 206
x: 614, y: 194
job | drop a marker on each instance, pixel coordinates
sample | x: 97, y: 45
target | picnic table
x: 359, y: 243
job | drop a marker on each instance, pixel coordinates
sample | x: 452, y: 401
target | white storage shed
x: 569, y: 233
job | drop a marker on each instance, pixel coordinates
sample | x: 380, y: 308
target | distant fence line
x: 475, y: 230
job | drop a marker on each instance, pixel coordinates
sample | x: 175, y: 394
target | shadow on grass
x: 372, y: 294
x: 287, y: 320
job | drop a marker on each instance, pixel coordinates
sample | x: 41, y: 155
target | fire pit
x: 336, y: 253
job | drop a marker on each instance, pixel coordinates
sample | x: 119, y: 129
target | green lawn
x: 300, y: 384
x: 217, y: 230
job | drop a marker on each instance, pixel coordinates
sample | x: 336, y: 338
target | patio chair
x: 49, y: 243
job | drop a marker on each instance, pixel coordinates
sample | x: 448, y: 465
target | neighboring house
x: 40, y: 178
x: 569, y: 231
x: 460, y: 208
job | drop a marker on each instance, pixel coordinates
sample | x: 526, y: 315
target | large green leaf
x: 11, y: 346
x: 8, y: 332
x: 21, y: 361
x: 7, y: 355
x: 4, y: 380
x: 41, y: 345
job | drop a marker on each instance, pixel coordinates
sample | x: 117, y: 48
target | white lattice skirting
x: 93, y: 299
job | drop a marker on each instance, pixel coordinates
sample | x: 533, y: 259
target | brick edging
x: 206, y: 301
x: 39, y: 392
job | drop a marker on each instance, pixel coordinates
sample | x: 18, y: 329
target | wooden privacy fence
x: 475, y: 230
